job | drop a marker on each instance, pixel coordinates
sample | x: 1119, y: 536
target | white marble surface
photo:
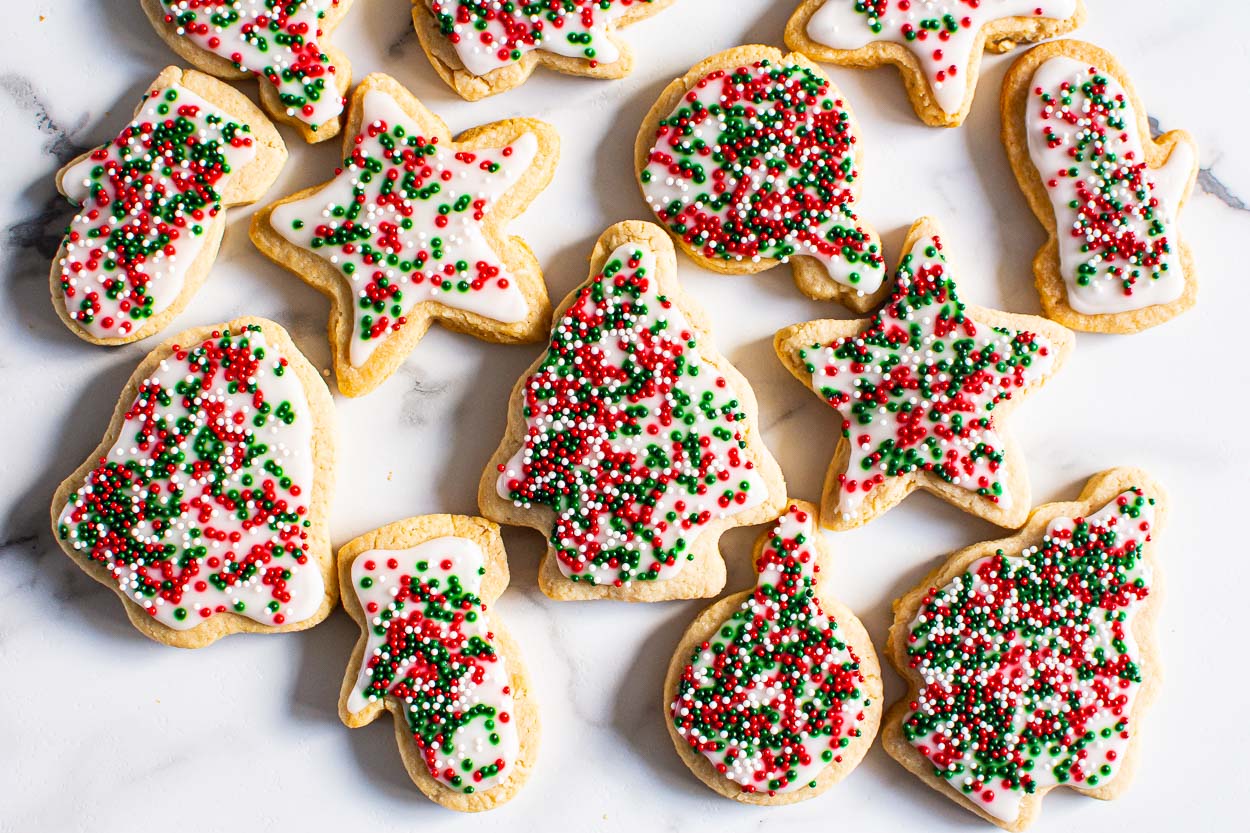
x: 103, y: 730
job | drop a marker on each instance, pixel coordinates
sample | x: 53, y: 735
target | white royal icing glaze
x: 566, y: 34
x: 833, y: 372
x: 1111, y: 750
x: 445, y: 558
x: 275, y: 63
x: 206, y: 521
x: 1106, y: 175
x: 944, y: 61
x: 498, y: 298
x: 85, y: 264
x: 768, y: 699
x: 663, y: 188
x: 613, y: 349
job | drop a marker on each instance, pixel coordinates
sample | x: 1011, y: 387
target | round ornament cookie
x: 1108, y: 194
x: 922, y: 390
x: 284, y: 45
x: 152, y: 206
x: 434, y: 654
x: 1030, y: 661
x: 484, y: 47
x: 753, y: 159
x: 413, y: 229
x: 631, y: 443
x: 936, y: 44
x: 774, y: 694
x: 206, y: 507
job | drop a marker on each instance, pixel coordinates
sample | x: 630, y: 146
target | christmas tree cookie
x: 1109, y: 196
x: 206, y: 506
x: 752, y: 159
x: 484, y: 47
x: 1031, y: 660
x: 631, y: 443
x: 432, y: 652
x: 936, y: 44
x: 152, y: 206
x: 412, y: 229
x: 922, y: 390
x: 774, y: 694
x: 284, y: 44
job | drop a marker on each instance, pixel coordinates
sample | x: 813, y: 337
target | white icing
x: 584, y: 500
x: 944, y: 62
x: 289, y: 446
x: 761, y: 697
x: 1104, y: 294
x: 480, y: 50
x: 85, y: 265
x: 499, y: 298
x: 1005, y: 804
x: 446, y: 557
x: 749, y: 178
x: 837, y: 373
x: 275, y: 62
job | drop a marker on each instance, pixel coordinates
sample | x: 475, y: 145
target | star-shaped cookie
x: 412, y: 230
x: 303, y: 79
x: 484, y: 47
x: 936, y: 44
x: 922, y: 389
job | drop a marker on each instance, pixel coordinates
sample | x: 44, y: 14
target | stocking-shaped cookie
x: 432, y: 652
x: 284, y: 44
x: 752, y: 159
x: 922, y: 390
x: 631, y: 444
x: 774, y: 694
x: 206, y: 506
x: 936, y: 44
x: 484, y: 47
x: 1109, y: 195
x: 412, y: 230
x: 1030, y: 661
x: 153, y: 206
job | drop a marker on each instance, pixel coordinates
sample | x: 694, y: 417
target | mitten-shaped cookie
x: 206, y: 506
x: 433, y: 652
x: 284, y: 45
x: 936, y: 44
x: 631, y: 444
x: 413, y: 229
x: 153, y: 206
x: 774, y: 694
x: 752, y: 159
x: 484, y: 47
x: 1108, y: 194
x: 1030, y: 661
x: 922, y: 390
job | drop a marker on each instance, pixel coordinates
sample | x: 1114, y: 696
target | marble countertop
x: 103, y: 730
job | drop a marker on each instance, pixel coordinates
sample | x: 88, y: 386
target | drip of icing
x: 760, y: 162
x: 148, y: 201
x: 1029, y: 663
x: 916, y: 391
x: 1116, y: 218
x: 200, y: 507
x: 775, y: 695
x: 404, y: 222
x: 940, y: 34
x: 276, y: 42
x: 430, y: 647
x: 633, y: 438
